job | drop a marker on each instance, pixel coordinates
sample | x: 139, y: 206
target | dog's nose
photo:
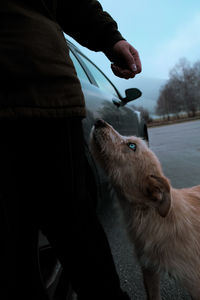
x: 100, y: 123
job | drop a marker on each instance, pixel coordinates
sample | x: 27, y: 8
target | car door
x: 102, y: 101
x: 99, y: 99
x: 100, y: 95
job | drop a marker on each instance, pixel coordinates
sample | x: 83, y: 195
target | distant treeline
x: 181, y: 93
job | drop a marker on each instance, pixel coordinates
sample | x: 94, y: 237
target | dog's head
x: 132, y: 167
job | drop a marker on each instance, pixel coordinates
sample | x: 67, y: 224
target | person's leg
x: 69, y: 218
x: 19, y: 271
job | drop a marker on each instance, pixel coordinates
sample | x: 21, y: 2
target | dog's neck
x: 140, y: 217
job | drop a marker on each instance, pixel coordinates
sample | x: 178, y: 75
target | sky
x: 163, y: 31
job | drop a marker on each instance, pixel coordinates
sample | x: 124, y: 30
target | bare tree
x: 196, y: 68
x: 181, y: 92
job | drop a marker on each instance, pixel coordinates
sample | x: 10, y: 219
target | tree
x: 196, y: 68
x: 169, y: 101
x: 181, y: 92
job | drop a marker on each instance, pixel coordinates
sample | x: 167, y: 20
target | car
x: 104, y: 101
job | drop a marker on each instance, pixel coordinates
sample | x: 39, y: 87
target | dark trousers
x: 45, y: 184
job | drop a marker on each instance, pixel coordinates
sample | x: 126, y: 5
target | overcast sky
x: 162, y: 31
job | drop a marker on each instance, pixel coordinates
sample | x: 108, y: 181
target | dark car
x: 104, y: 101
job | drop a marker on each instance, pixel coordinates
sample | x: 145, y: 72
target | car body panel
x: 102, y: 101
x: 102, y: 104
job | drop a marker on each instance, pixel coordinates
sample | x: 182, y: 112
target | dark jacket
x: 37, y: 74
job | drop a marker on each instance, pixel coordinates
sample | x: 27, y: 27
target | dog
x: 162, y: 222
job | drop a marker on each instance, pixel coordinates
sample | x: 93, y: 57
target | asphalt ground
x: 178, y: 149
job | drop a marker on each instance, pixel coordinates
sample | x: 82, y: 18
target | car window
x: 99, y: 77
x: 79, y: 70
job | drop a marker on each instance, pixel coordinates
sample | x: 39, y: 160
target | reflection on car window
x: 100, y: 79
x: 79, y: 70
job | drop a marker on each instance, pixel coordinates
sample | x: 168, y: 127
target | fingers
x: 127, y: 61
x: 132, y: 59
x: 127, y: 55
x: 136, y: 58
x: 121, y: 72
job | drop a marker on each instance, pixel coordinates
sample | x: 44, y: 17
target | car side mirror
x: 132, y: 94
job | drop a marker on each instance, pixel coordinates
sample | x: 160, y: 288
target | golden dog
x: 162, y: 222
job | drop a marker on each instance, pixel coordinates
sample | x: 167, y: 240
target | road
x: 178, y: 148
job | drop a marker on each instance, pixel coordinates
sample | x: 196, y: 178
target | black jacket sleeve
x: 88, y: 24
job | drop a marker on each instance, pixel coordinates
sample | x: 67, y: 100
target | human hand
x: 126, y: 61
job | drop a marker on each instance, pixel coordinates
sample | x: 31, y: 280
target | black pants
x: 44, y: 185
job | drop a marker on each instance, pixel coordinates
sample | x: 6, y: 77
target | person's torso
x: 34, y: 60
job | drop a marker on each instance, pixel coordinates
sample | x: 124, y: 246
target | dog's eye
x: 132, y: 146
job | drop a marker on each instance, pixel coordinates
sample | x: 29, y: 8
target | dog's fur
x: 162, y: 222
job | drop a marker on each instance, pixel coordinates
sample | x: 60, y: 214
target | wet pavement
x: 178, y: 148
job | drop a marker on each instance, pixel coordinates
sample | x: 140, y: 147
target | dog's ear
x: 157, y: 188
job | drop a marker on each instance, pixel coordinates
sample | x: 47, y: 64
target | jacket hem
x: 39, y: 112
